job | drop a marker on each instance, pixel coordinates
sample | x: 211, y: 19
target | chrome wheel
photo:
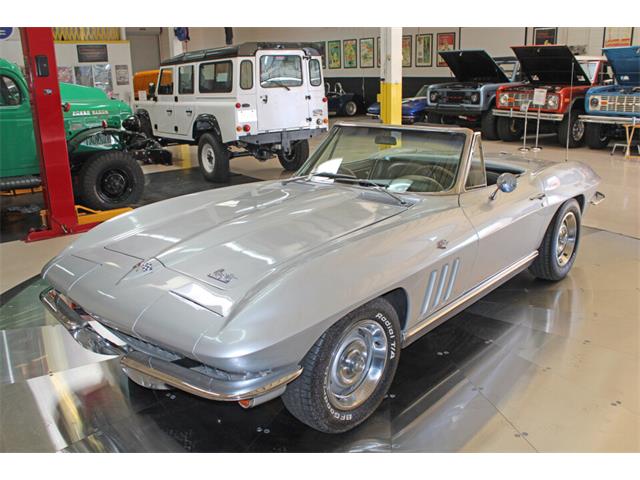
x: 577, y: 130
x: 357, y: 365
x: 208, y: 158
x: 566, y: 241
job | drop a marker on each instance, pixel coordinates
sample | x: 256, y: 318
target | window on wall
x: 246, y: 75
x: 185, y: 80
x: 315, y: 73
x: 10, y: 95
x: 166, y: 82
x: 216, y: 77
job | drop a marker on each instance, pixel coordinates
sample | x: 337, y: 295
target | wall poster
x: 406, y: 50
x: 617, y: 36
x: 350, y: 50
x: 545, y: 35
x: 335, y: 54
x: 366, y: 53
x: 446, y: 41
x: 424, y: 47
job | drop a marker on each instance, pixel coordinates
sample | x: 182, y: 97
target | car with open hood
x: 610, y: 107
x: 470, y: 99
x: 563, y: 80
x: 309, y: 287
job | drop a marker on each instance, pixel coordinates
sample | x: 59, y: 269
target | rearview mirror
x: 507, y: 183
x: 385, y: 140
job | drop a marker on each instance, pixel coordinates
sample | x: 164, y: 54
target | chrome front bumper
x: 136, y: 362
x: 610, y: 120
x: 531, y: 114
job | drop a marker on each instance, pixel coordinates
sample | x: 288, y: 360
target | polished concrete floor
x: 534, y: 366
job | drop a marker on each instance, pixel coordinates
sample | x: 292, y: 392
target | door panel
x: 166, y: 105
x: 184, y: 109
x: 509, y: 227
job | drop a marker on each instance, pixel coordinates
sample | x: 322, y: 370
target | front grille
x: 520, y: 98
x: 620, y: 103
x: 455, y: 97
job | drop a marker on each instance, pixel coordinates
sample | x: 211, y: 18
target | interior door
x: 282, y: 91
x: 166, y: 104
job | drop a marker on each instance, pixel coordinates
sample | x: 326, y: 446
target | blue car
x: 609, y: 107
x: 343, y: 103
x: 413, y: 108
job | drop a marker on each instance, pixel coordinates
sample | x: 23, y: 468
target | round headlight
x: 552, y: 102
x: 594, y: 102
x: 475, y: 97
x: 504, y: 99
x: 433, y: 96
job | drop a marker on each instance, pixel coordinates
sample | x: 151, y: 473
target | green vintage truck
x: 102, y: 141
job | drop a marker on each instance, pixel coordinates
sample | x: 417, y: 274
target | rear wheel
x: 213, y: 158
x: 510, y: 129
x: 350, y: 108
x: 298, y: 154
x: 596, y: 136
x: 560, y: 244
x: 110, y: 180
x: 434, y: 118
x: 571, y: 128
x: 489, y: 126
x: 348, y: 370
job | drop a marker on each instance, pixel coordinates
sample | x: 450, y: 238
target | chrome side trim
x: 452, y: 278
x: 429, y: 292
x: 415, y: 332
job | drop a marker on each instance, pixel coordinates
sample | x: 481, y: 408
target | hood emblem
x: 222, y: 275
x: 143, y: 266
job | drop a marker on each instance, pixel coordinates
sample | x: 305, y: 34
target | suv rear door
x: 316, y: 91
x: 282, y: 90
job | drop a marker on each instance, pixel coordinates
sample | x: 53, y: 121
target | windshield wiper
x: 352, y: 179
x: 278, y: 83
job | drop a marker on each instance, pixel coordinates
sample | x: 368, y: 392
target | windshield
x: 423, y: 91
x: 508, y: 68
x: 399, y: 160
x: 280, y: 71
x: 589, y: 68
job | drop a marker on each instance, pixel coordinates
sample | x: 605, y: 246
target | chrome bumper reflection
x: 166, y: 372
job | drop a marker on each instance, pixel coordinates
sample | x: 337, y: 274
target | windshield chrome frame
x: 463, y: 167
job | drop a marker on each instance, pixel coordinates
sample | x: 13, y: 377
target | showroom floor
x: 533, y: 366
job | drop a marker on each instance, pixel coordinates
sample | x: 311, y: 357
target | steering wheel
x: 428, y: 181
x: 432, y: 169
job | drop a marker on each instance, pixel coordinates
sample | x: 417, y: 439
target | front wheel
x: 348, y: 370
x: 298, y: 154
x: 596, y: 136
x: 110, y: 180
x: 571, y: 130
x: 489, y: 126
x: 213, y: 157
x: 510, y: 129
x: 559, y: 245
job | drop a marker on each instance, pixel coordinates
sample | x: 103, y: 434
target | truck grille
x: 520, y: 98
x: 620, y: 103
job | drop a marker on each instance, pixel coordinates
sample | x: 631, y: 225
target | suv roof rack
x: 248, y: 49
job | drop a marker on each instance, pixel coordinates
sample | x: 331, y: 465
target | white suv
x: 265, y: 99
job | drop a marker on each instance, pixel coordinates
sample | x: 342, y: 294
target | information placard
x: 539, y: 97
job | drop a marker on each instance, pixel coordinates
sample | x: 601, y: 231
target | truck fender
x: 206, y: 123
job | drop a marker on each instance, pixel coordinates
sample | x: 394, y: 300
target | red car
x: 565, y: 79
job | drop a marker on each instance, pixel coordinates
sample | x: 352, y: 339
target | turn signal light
x: 238, y: 128
x: 245, y: 403
x: 238, y: 105
x: 246, y: 127
x: 324, y: 99
x: 66, y: 106
x: 325, y: 120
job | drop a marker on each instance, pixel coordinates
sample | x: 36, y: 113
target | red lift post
x: 46, y: 105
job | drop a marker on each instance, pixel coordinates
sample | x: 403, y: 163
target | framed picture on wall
x: 350, y: 51
x: 335, y: 53
x: 446, y: 41
x: 320, y: 47
x: 545, y: 35
x: 406, y: 50
x: 378, y: 50
x: 366, y: 53
x: 424, y: 48
x: 617, y: 37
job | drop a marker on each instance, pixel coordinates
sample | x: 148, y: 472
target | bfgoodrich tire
x: 489, y: 126
x: 296, y: 157
x: 110, y: 180
x: 213, y: 158
x: 596, y: 136
x: 510, y: 129
x: 348, y: 370
x: 560, y: 244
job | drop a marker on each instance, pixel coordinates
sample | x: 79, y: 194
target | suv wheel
x: 348, y: 370
x: 596, y: 136
x: 489, y: 125
x: 510, y: 129
x: 213, y: 158
x: 571, y: 128
x: 296, y: 157
x: 110, y: 180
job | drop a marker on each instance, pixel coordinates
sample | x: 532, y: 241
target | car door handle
x: 539, y: 196
x: 189, y: 112
x: 169, y: 112
x: 265, y: 98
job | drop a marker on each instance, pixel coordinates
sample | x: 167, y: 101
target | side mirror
x: 152, y: 89
x: 507, y: 183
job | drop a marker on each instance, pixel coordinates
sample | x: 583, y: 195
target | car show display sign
x: 92, y: 53
x: 406, y: 50
x: 424, y: 48
x: 617, y: 37
x: 366, y: 53
x: 446, y: 41
x: 539, y: 97
x: 545, y: 35
x: 335, y: 54
x: 350, y: 50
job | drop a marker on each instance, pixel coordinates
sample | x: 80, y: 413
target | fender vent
x: 440, y: 286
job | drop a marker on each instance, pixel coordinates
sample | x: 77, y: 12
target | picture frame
x: 367, y: 51
x: 445, y: 41
x: 424, y: 50
x: 334, y: 52
x: 617, y: 37
x: 545, y: 35
x: 406, y: 50
x: 378, y: 50
x: 350, y: 53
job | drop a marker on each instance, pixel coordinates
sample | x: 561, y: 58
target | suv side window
x: 185, y: 79
x: 10, y: 95
x: 477, y: 176
x: 215, y: 77
x: 606, y: 73
x: 315, y: 75
x: 166, y: 82
x: 246, y: 75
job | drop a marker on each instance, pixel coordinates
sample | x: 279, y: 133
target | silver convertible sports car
x: 309, y: 287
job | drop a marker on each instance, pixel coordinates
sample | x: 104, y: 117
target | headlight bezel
x: 474, y: 97
x: 552, y: 102
x: 594, y: 103
x: 434, y: 96
x: 503, y: 99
